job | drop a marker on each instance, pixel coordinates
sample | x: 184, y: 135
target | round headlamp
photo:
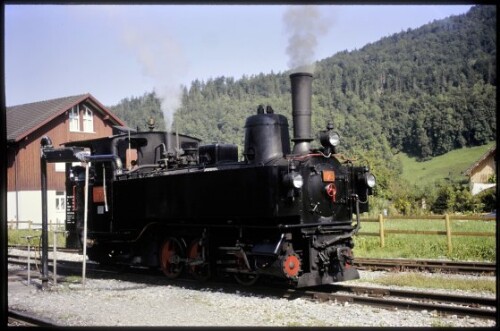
x: 329, y: 138
x: 370, y: 180
x: 293, y: 180
x: 297, y: 180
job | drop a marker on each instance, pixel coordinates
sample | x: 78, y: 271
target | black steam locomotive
x: 186, y: 206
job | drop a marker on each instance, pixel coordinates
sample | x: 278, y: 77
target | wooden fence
x: 382, y: 233
x: 36, y: 226
x: 447, y: 223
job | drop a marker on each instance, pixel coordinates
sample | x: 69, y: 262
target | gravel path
x: 111, y: 302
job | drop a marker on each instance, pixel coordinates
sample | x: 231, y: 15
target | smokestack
x: 301, y: 111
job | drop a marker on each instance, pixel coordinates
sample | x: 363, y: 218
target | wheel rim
x: 170, y: 258
x: 200, y: 267
x: 246, y: 279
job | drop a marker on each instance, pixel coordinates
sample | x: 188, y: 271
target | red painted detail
x: 331, y: 190
x: 291, y: 266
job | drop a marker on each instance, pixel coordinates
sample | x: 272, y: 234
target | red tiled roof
x: 24, y: 119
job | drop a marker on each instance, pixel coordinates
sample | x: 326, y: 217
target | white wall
x: 30, y: 209
x: 479, y: 187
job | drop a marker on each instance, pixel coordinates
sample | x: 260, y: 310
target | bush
x: 455, y: 197
x: 488, y: 199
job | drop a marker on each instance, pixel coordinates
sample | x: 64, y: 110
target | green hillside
x: 450, y: 165
x: 423, y: 91
x: 425, y: 94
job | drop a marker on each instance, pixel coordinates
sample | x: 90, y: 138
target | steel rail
x: 387, y: 264
x: 442, y: 303
x: 413, y: 294
x: 29, y: 319
x: 431, y: 265
x: 404, y: 304
x: 59, y: 249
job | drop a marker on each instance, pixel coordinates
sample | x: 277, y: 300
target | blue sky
x: 118, y: 51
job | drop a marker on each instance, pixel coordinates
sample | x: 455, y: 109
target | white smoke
x: 163, y: 60
x: 303, y: 25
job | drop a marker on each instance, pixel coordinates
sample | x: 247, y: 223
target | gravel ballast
x: 113, y: 302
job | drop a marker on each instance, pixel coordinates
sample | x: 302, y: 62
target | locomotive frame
x: 279, y: 212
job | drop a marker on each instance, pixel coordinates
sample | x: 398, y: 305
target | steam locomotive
x: 189, y: 207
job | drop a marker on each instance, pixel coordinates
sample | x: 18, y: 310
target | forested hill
x: 424, y: 91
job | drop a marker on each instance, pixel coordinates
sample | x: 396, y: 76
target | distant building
x: 482, y: 172
x: 64, y: 119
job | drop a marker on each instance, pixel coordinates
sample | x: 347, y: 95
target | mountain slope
x: 425, y: 92
x: 447, y: 166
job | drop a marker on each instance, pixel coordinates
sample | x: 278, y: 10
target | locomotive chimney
x: 301, y: 111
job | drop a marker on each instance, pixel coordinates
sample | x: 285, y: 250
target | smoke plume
x: 162, y: 59
x: 303, y: 25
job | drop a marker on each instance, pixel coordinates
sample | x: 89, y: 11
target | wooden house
x: 64, y: 119
x: 482, y: 174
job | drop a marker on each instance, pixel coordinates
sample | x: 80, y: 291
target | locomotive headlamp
x: 365, y: 177
x: 329, y: 138
x: 297, y: 180
x: 294, y: 180
x: 370, y: 180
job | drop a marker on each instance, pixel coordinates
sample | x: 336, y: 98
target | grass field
x: 16, y: 237
x: 465, y: 248
x: 450, y: 165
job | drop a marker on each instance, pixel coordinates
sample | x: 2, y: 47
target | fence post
x: 448, y: 232
x: 381, y: 227
x: 29, y: 225
x: 28, y: 238
x: 54, y: 258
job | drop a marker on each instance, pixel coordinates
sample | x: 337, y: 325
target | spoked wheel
x: 198, y: 262
x: 171, y: 253
x: 246, y: 279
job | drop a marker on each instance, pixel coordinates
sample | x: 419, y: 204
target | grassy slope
x: 450, y: 165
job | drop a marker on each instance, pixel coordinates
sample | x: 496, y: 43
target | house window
x: 88, y: 120
x: 60, y: 201
x: 60, y: 167
x: 74, y: 119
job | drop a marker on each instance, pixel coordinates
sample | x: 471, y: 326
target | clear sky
x: 119, y: 51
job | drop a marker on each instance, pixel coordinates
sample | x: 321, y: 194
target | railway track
x: 59, y: 249
x: 426, y: 265
x: 442, y: 304
x: 443, y: 266
x: 17, y: 318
